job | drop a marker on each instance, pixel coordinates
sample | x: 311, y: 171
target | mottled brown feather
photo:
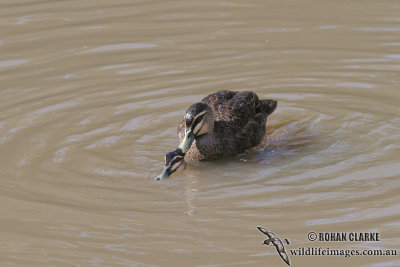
x: 239, y: 124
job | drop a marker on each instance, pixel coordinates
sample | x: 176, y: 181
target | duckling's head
x: 172, y: 162
x: 198, y: 121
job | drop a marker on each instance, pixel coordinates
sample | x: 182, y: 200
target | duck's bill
x: 186, y: 141
x: 165, y: 173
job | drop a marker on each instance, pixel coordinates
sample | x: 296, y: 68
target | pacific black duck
x: 223, y: 124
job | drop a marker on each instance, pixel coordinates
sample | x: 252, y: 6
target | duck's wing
x: 240, y: 115
x: 236, y: 108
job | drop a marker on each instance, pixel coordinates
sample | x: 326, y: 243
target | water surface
x: 91, y: 95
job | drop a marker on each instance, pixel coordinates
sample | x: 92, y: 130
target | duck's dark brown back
x: 233, y: 107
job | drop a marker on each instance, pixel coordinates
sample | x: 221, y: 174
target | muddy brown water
x: 91, y: 95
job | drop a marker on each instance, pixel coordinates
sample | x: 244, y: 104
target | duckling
x: 173, y: 161
x: 223, y: 124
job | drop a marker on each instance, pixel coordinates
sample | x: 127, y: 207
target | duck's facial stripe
x: 190, y: 121
x: 198, y: 125
x: 201, y: 113
x: 198, y: 122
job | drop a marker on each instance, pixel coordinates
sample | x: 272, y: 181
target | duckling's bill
x: 164, y: 174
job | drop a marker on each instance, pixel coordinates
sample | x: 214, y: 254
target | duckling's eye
x: 175, y: 162
x: 169, y: 157
x: 176, y: 159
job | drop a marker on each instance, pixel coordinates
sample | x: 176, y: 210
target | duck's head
x: 198, y: 121
x: 172, y: 162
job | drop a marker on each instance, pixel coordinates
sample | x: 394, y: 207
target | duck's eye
x: 189, y: 123
x: 198, y: 120
x: 189, y: 120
